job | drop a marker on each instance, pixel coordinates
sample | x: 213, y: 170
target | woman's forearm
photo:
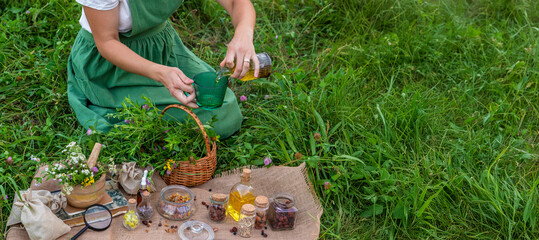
x: 243, y: 15
x: 104, y: 26
x: 123, y: 57
x: 240, y: 51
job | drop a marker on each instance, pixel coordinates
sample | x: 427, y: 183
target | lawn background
x: 427, y: 110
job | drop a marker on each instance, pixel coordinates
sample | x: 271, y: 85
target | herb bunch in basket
x: 157, y: 144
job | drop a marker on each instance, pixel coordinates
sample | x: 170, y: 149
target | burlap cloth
x: 266, y: 181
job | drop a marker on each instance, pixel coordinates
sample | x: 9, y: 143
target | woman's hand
x: 241, y: 49
x: 177, y: 84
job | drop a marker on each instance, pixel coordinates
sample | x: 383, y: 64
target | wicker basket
x: 186, y: 173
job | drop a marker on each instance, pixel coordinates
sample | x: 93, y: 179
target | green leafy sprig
x: 146, y: 136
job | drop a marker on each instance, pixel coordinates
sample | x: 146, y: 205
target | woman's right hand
x: 177, y: 84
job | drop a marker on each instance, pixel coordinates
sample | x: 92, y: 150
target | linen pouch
x: 58, y: 202
x: 130, y: 177
x: 54, y: 202
x: 38, y: 220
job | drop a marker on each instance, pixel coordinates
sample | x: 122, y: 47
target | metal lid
x: 146, y: 193
x: 132, y: 200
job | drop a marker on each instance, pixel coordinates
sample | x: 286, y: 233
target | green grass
x: 427, y: 110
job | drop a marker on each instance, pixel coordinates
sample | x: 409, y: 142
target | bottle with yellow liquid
x: 264, y: 71
x: 241, y: 193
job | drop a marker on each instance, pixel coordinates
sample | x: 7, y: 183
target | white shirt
x: 125, y: 22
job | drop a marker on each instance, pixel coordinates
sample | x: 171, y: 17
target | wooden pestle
x: 94, y: 155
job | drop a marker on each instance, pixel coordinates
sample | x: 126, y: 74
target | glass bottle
x: 264, y: 71
x: 131, y: 218
x: 144, y: 208
x: 142, y: 187
x: 217, y: 211
x: 261, y: 205
x: 240, y: 194
x: 246, y: 221
x: 282, y: 213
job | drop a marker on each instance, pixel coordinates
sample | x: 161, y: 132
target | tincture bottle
x: 240, y: 194
x: 265, y: 68
x: 131, y: 219
x: 144, y: 208
x: 143, y: 187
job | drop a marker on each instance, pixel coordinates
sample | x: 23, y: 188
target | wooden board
x: 114, y: 200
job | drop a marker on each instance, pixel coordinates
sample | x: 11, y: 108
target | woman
x: 128, y: 48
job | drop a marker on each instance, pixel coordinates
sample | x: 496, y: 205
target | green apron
x: 95, y: 87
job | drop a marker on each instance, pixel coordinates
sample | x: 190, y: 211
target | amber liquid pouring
x: 250, y: 75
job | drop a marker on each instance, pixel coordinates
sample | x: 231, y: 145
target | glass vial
x: 131, y: 218
x: 142, y: 188
x: 240, y: 194
x: 247, y: 221
x: 261, y: 205
x: 282, y: 213
x: 217, y: 211
x: 144, y: 208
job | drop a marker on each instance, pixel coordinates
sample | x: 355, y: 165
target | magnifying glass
x: 96, y: 217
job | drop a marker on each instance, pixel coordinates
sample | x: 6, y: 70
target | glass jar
x: 246, y: 221
x: 217, y: 211
x: 282, y: 213
x: 131, y: 218
x: 261, y: 205
x: 265, y: 68
x: 196, y: 230
x: 144, y: 208
x: 176, y: 202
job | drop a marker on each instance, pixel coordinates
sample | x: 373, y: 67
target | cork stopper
x: 248, y: 208
x: 132, y: 201
x: 261, y: 201
x: 246, y: 173
x: 219, y: 197
x: 146, y: 193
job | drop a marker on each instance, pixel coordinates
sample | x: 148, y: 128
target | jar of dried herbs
x: 261, y: 205
x: 217, y: 208
x: 246, y: 220
x: 282, y: 212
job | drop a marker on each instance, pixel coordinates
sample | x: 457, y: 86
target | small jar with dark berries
x: 282, y: 212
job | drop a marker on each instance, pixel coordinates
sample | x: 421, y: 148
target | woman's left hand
x: 241, y: 51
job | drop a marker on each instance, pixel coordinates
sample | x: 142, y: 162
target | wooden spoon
x: 94, y: 155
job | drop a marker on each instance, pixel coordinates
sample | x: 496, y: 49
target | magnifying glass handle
x: 79, y: 233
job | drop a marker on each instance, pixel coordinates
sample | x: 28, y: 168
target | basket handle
x: 194, y: 116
